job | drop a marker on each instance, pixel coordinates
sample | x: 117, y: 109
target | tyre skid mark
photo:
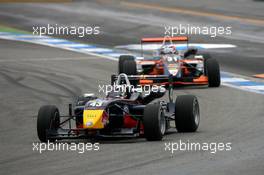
x: 13, y: 81
x: 60, y: 86
x: 43, y: 75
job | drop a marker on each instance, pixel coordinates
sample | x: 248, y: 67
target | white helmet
x: 168, y: 49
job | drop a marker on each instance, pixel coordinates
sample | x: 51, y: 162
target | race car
x: 119, y: 114
x: 187, y: 67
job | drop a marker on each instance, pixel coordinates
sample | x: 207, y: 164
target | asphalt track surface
x: 123, y: 22
x: 33, y: 75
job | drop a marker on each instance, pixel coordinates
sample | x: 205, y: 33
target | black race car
x: 119, y: 114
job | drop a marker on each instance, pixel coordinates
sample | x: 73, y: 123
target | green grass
x: 13, y: 30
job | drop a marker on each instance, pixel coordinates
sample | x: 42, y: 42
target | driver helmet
x: 168, y: 49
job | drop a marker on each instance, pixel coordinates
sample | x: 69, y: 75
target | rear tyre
x: 213, y: 72
x: 187, y: 113
x: 48, y: 119
x: 123, y: 58
x: 154, y: 122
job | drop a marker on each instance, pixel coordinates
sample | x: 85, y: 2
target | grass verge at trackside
x: 4, y: 28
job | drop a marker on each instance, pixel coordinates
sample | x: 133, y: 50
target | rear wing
x: 164, y: 39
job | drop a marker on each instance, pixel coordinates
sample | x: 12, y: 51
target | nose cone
x: 93, y: 119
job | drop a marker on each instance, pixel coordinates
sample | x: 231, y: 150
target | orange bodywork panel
x: 145, y: 81
x: 201, y: 79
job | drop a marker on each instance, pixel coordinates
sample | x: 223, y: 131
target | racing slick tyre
x: 129, y: 67
x: 123, y: 58
x: 213, y: 72
x: 154, y: 122
x: 187, y: 113
x: 48, y: 118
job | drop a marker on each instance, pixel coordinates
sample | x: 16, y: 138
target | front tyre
x: 122, y: 59
x: 129, y: 67
x: 48, y: 119
x: 187, y: 113
x: 154, y: 122
x: 213, y: 72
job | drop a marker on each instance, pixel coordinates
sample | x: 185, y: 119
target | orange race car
x: 183, y: 67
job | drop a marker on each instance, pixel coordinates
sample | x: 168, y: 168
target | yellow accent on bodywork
x: 93, y: 119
